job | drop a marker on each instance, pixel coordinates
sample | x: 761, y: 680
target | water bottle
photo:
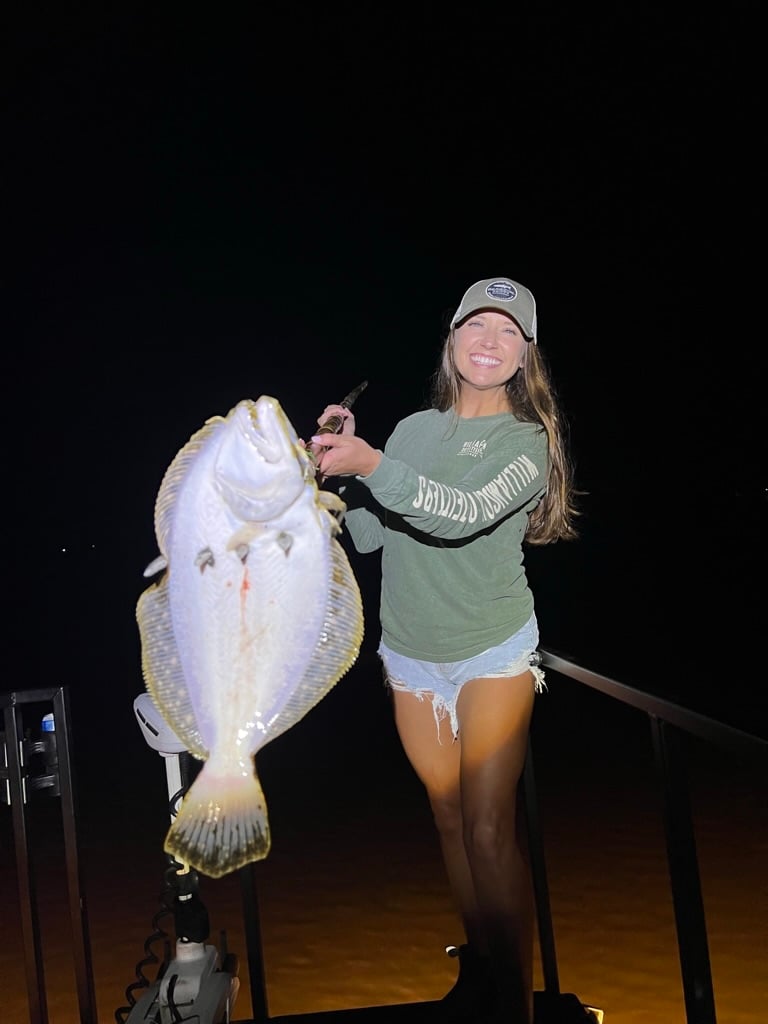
x: 50, y: 753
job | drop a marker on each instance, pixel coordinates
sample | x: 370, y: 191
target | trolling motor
x: 195, y: 985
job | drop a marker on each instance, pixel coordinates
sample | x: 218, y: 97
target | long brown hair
x: 532, y: 398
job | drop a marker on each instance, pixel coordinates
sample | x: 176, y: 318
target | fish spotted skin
x: 256, y: 618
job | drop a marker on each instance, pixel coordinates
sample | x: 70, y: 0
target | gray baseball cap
x: 504, y: 295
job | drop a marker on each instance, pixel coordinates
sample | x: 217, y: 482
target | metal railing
x: 668, y: 722
x: 17, y: 781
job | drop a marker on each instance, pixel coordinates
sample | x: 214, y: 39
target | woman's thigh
x: 494, y: 718
x: 432, y: 751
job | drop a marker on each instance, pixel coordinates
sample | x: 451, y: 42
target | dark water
x: 353, y: 903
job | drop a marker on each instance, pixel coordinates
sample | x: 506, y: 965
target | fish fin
x: 334, y: 506
x: 156, y: 565
x: 203, y: 558
x: 336, y: 651
x: 222, y: 823
x: 161, y: 666
x: 332, y: 501
x: 174, y: 477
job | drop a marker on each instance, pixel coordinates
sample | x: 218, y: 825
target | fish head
x: 260, y: 468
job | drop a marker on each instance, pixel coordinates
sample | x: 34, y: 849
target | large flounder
x: 256, y: 619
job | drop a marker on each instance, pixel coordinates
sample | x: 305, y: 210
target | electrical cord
x: 167, y: 903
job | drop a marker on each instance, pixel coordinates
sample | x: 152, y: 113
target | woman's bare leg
x: 494, y: 718
x: 472, y: 785
x: 435, y: 758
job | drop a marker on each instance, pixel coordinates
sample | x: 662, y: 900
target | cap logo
x: 503, y: 290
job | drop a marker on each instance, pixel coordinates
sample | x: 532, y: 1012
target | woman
x: 456, y: 492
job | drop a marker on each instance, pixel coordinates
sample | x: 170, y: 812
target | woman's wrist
x: 372, y: 462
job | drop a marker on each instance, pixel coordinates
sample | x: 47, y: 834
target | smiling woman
x: 450, y: 500
x: 489, y: 350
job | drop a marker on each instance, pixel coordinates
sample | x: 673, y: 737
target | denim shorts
x: 442, y: 681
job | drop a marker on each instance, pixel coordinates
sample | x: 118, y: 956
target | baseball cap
x: 504, y: 295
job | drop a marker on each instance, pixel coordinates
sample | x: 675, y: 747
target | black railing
x: 18, y: 778
x: 668, y: 722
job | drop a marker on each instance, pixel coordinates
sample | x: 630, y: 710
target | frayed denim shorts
x: 441, y: 682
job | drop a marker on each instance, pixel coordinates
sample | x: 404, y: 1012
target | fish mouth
x: 258, y: 468
x: 266, y: 427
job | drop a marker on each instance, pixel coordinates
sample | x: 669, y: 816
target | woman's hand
x: 345, y: 454
x: 347, y: 427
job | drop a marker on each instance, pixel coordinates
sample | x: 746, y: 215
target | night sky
x: 206, y: 205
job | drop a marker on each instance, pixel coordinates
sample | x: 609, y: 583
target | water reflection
x: 353, y: 901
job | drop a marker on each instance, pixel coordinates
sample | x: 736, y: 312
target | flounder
x: 256, y: 618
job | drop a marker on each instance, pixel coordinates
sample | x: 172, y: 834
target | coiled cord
x: 167, y: 903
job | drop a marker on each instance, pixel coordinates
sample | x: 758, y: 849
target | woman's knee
x: 446, y: 811
x: 489, y: 838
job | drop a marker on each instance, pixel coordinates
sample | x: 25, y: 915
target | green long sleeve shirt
x: 453, y: 497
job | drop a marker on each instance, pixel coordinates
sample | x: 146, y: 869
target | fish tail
x: 222, y: 823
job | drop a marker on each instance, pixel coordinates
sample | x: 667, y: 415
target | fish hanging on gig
x: 255, y: 619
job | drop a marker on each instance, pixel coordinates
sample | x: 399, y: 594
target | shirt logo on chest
x: 474, y: 448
